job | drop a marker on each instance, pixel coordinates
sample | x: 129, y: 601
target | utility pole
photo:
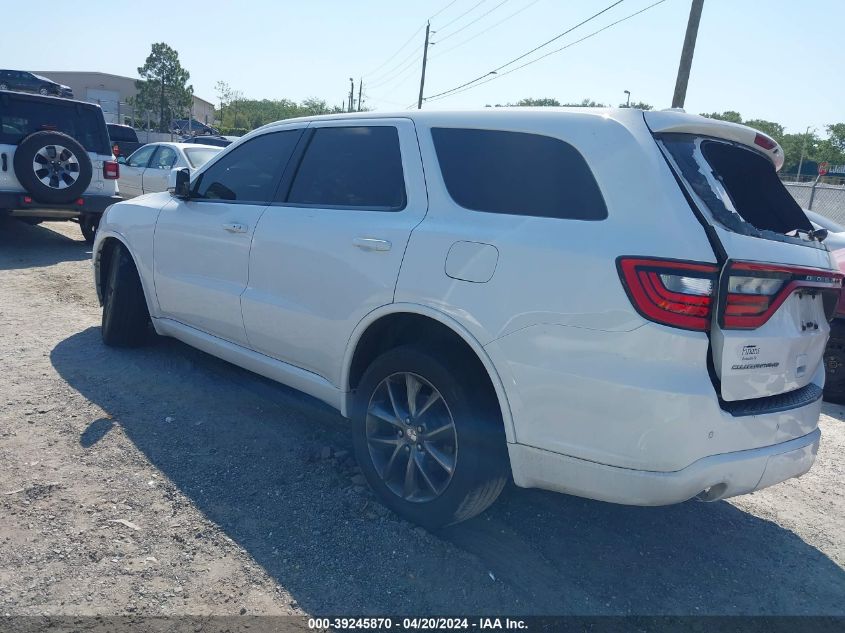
x: 360, y: 89
x: 351, y: 93
x: 628, y: 102
x: 425, y: 59
x: 686, y: 54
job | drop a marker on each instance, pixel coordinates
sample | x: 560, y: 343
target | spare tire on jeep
x: 53, y: 167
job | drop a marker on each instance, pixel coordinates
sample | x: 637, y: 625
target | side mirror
x: 121, y: 160
x: 179, y: 183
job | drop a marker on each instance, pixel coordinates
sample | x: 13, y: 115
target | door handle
x: 371, y: 244
x: 235, y: 227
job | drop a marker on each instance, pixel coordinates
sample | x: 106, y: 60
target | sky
x: 767, y: 59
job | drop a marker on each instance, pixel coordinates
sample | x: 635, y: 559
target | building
x: 112, y: 93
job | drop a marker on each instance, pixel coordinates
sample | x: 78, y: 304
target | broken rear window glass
x: 738, y: 185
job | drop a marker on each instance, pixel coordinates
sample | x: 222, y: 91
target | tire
x: 125, y: 316
x: 834, y: 363
x: 88, y: 224
x: 4, y: 87
x: 479, y: 463
x: 43, y: 91
x: 65, y: 168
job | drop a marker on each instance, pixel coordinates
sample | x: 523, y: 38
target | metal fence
x: 825, y: 199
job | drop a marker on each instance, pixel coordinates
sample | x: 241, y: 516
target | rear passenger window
x: 517, y: 173
x: 351, y: 167
x: 250, y: 172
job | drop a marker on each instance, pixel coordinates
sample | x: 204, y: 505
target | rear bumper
x: 715, y: 477
x: 15, y: 204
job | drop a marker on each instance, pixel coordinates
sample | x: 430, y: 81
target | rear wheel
x: 432, y: 449
x: 834, y: 363
x: 88, y: 224
x: 125, y: 316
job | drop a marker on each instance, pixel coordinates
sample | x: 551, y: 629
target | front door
x: 158, y: 170
x: 328, y: 251
x: 201, y: 245
x: 132, y: 171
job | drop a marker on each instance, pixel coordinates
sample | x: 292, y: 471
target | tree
x: 585, y: 103
x: 163, y: 88
x: 770, y: 128
x: 543, y: 102
x: 639, y: 105
x: 728, y: 115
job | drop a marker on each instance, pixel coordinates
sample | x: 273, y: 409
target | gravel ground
x: 162, y: 481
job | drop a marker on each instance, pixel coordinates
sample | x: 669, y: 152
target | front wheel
x: 125, y: 316
x: 431, y: 448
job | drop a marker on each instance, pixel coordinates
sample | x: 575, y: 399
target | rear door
x: 777, y: 286
x: 328, y: 251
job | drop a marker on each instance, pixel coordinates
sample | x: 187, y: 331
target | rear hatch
x: 777, y: 286
x: 22, y: 115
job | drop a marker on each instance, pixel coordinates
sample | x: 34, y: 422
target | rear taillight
x: 751, y: 292
x: 675, y: 293
x: 111, y: 170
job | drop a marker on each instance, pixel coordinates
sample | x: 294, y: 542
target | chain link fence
x: 823, y: 198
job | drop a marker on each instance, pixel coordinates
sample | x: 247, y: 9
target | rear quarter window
x: 517, y: 173
x: 121, y: 133
x: 21, y: 117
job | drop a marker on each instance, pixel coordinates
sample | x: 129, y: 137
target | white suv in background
x: 620, y: 305
x: 56, y: 160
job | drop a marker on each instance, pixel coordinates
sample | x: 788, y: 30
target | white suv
x: 56, y: 161
x: 620, y: 305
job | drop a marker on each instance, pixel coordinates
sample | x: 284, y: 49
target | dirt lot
x: 163, y: 481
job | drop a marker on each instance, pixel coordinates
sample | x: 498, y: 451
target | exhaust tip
x: 712, y: 493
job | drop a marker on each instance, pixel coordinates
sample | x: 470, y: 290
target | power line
x: 400, y: 70
x: 441, y: 11
x: 408, y: 41
x: 382, y: 76
x: 469, y: 24
x: 526, y: 54
x: 489, y: 28
x: 470, y: 10
x: 557, y: 50
x: 393, y: 56
x: 400, y: 79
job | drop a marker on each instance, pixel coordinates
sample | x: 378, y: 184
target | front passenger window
x: 250, y: 172
x: 141, y: 157
x: 165, y: 158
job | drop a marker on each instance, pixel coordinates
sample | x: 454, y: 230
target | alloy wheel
x: 56, y: 166
x: 411, y: 437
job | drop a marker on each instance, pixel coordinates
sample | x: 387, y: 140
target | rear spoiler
x: 679, y: 122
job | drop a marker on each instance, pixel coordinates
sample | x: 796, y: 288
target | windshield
x: 739, y: 186
x: 199, y: 156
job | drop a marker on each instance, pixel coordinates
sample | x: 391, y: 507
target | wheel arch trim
x: 104, y: 236
x: 444, y: 319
